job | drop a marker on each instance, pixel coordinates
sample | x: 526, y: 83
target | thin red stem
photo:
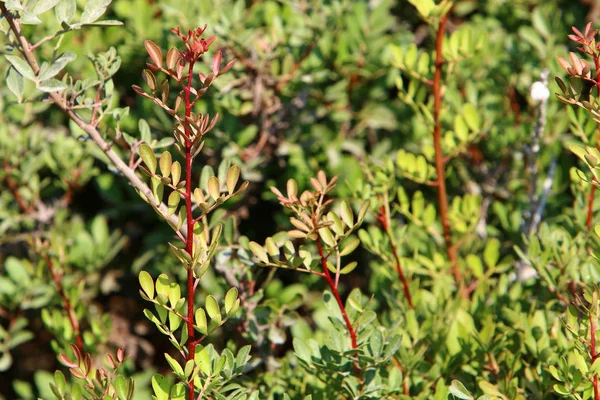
x: 385, y: 223
x: 334, y: 290
x: 439, y: 157
x: 66, y: 303
x: 594, y: 354
x: 191, y: 344
x: 590, y: 210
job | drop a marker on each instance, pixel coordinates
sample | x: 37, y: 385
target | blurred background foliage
x: 335, y: 85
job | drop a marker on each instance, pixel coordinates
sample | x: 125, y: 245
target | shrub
x: 433, y: 239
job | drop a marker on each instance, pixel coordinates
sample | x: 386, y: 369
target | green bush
x: 352, y: 199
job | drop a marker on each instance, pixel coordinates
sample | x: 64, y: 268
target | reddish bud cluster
x: 194, y: 42
x: 586, y: 39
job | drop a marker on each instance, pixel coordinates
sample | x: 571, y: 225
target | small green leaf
x: 349, y: 246
x: 259, y: 252
x: 163, y: 285
x: 165, y: 163
x: 93, y: 10
x: 173, y: 202
x: 148, y: 157
x: 65, y: 10
x: 147, y: 284
x: 51, y: 85
x: 457, y: 389
x: 60, y: 382
x: 212, y: 307
x: 174, y: 365
x: 175, y: 173
x: 21, y: 66
x: 15, y: 83
x: 214, y: 188
x: 201, y: 322
x: 349, y: 268
x: 121, y: 387
x: 58, y: 65
x: 327, y: 236
x: 347, y: 214
x: 233, y: 175
x: 230, y: 299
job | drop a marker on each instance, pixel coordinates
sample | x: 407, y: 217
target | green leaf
x: 165, y: 163
x: 15, y: 83
x: 201, y: 322
x: 212, y: 307
x: 60, y: 382
x: 349, y: 246
x: 174, y: 365
x: 51, y: 85
x: 230, y: 299
x: 327, y: 236
x: 41, y: 6
x: 65, y: 10
x: 214, y: 188
x: 233, y: 175
x: 175, y: 172
x: 347, y: 214
x: 259, y: 252
x: 58, y: 65
x: 121, y: 387
x: 21, y: 66
x: 147, y: 284
x: 457, y: 389
x: 173, y: 202
x: 349, y: 268
x: 163, y: 285
x: 472, y: 117
x: 93, y: 10
x: 148, y: 157
x: 491, y: 254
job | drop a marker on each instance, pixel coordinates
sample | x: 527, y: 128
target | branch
x: 94, y: 134
x: 439, y: 157
x: 67, y: 304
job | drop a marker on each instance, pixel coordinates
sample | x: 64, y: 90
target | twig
x: 531, y: 169
x: 537, y: 216
x: 66, y: 303
x: 334, y: 290
x: 439, y: 157
x: 594, y: 354
x: 384, y: 219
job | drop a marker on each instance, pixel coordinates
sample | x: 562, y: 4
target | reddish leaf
x: 216, y: 63
x: 154, y: 52
x: 228, y: 66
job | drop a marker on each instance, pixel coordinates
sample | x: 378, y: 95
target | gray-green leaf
x: 21, y: 66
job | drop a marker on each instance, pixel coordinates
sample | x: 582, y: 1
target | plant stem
x: 439, y: 157
x: 66, y: 303
x: 594, y: 354
x: 190, y: 227
x: 384, y: 218
x: 334, y: 290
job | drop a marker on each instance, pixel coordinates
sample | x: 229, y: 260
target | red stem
x: 67, y: 304
x: 335, y: 291
x: 594, y: 354
x: 384, y: 219
x: 590, y: 210
x: 191, y: 344
x: 14, y: 189
x: 439, y: 157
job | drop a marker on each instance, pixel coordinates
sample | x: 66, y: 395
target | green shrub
x: 436, y: 235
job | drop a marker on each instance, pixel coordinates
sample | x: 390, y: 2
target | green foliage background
x: 332, y: 85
